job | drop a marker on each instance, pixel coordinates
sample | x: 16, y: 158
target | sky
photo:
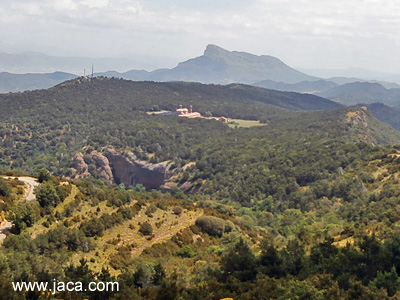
x: 310, y: 34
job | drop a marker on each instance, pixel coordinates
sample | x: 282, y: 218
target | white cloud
x: 300, y: 32
x: 62, y: 5
x: 96, y: 3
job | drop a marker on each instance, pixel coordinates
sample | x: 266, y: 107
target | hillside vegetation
x: 304, y: 207
x: 43, y: 128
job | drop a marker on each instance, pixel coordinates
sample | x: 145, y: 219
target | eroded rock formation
x: 79, y: 167
x: 127, y: 168
x: 122, y: 167
x: 102, y: 165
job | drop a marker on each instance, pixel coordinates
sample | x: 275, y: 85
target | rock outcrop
x: 129, y: 170
x: 102, y: 165
x: 358, y: 117
x: 121, y: 167
x: 79, y: 167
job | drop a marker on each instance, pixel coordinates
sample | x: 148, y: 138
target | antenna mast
x: 92, y: 70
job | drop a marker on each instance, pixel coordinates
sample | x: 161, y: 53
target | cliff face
x: 127, y: 168
x: 123, y: 167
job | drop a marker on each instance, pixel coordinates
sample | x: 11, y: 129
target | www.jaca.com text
x: 60, y: 286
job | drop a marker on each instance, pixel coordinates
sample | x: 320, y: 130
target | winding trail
x: 32, y: 183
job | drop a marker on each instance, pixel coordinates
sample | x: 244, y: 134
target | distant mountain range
x: 318, y: 86
x: 362, y: 92
x: 216, y: 65
x: 386, y: 114
x: 310, y: 87
x: 344, y: 80
x: 347, y: 91
x: 354, y: 74
x: 22, y: 82
x: 32, y: 62
x: 220, y: 66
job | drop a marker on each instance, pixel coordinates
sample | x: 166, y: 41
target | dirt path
x: 32, y: 183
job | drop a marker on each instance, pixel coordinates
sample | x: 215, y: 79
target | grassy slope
x: 121, y: 235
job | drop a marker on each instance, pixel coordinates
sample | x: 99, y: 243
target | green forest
x: 305, y: 207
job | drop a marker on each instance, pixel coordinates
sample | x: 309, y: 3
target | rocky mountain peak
x: 214, y: 50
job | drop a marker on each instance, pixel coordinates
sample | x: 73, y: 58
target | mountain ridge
x: 309, y: 87
x: 362, y: 92
x: 216, y: 65
x: 221, y: 66
x: 31, y: 81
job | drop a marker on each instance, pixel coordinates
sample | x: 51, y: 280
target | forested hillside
x: 304, y: 207
x: 44, y: 128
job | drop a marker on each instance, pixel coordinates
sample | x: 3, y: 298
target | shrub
x: 126, y: 212
x: 47, y: 195
x: 186, y: 252
x: 5, y: 188
x: 44, y: 175
x: 93, y: 227
x: 213, y: 226
x: 146, y: 229
x: 151, y: 210
x: 177, y: 210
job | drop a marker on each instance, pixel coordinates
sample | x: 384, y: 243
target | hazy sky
x: 302, y: 33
